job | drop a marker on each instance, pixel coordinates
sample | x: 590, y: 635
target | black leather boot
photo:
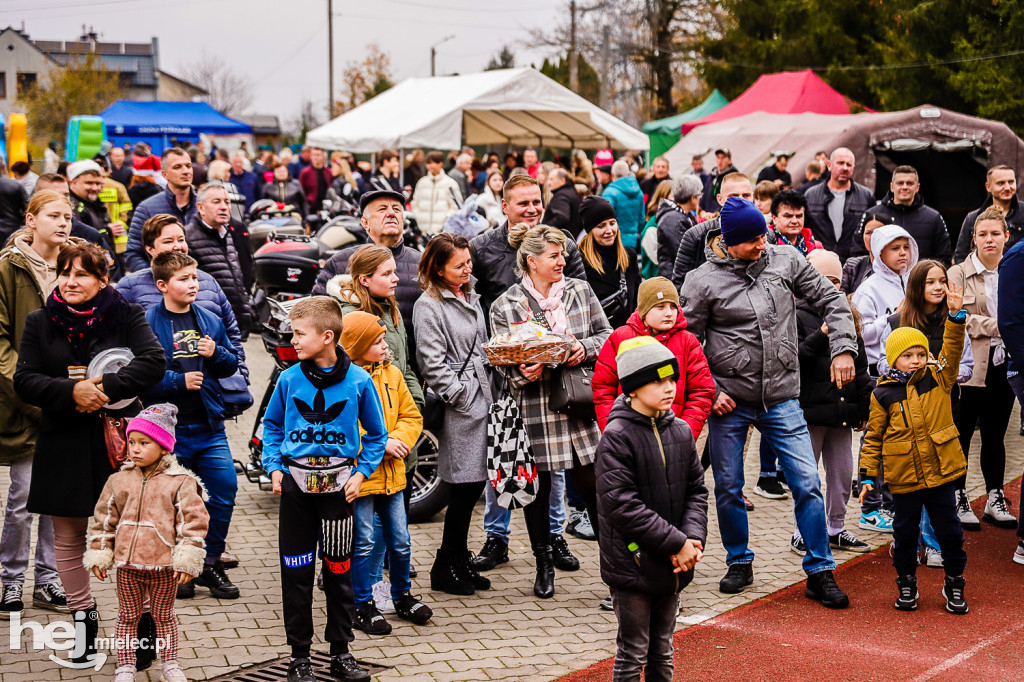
x: 447, y: 576
x: 90, y: 618
x: 544, y: 586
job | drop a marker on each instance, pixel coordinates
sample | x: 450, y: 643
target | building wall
x: 18, y: 56
x: 171, y: 89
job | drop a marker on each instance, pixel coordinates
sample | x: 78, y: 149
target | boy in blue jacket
x: 311, y: 439
x: 198, y: 351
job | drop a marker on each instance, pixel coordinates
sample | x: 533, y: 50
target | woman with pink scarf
x: 558, y: 441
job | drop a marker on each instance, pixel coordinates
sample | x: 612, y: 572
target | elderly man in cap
x: 85, y: 178
x: 741, y: 304
x: 383, y: 218
x: 723, y: 167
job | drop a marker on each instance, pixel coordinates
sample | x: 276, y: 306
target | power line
x: 476, y: 9
x: 872, y: 67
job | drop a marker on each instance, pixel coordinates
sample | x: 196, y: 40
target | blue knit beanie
x: 741, y: 221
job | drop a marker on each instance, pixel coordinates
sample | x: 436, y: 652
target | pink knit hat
x: 157, y: 422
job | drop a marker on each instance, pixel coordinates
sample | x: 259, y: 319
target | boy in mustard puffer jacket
x: 381, y: 495
x: 911, y: 427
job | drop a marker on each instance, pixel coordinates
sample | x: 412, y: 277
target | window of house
x: 3, y: 85
x: 26, y: 81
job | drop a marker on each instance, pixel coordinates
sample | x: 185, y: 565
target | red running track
x: 786, y: 636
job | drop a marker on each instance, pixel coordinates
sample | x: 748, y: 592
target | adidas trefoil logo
x: 319, y: 413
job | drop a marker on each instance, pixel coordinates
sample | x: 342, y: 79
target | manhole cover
x: 278, y: 670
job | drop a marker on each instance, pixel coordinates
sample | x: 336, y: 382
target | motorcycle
x: 285, y: 269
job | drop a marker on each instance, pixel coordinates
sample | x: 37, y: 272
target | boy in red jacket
x: 657, y: 314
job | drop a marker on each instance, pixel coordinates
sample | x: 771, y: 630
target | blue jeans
x: 391, y: 511
x: 497, y: 518
x: 769, y: 468
x: 784, y: 428
x: 206, y: 453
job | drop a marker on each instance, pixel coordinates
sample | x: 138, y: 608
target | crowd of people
x: 810, y: 311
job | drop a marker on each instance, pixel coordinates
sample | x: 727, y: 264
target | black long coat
x: 71, y: 464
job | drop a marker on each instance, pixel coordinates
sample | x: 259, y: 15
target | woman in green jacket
x: 27, y: 276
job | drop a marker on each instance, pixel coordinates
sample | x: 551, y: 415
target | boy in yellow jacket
x: 381, y: 495
x: 911, y: 427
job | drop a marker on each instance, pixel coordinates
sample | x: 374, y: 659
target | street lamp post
x: 433, y: 53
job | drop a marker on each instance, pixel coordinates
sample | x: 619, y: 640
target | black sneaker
x: 607, y: 604
x: 300, y: 670
x: 345, y: 668
x: 11, y: 601
x: 50, y: 596
x: 907, y: 601
x: 822, y: 586
x: 494, y: 552
x: 563, y: 557
x: 370, y: 620
x: 186, y: 591
x: 410, y: 608
x: 738, y: 577
x: 769, y: 486
x: 781, y: 477
x: 214, y: 578
x: 846, y: 541
x: 953, y: 591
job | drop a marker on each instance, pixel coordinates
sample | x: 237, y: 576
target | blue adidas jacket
x: 140, y: 288
x: 313, y: 411
x: 221, y: 365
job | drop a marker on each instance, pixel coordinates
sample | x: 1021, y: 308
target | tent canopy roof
x: 168, y: 118
x: 790, y: 92
x: 673, y: 124
x: 506, y: 106
x: 752, y: 138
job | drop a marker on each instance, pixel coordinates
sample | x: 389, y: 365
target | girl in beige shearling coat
x: 150, y: 522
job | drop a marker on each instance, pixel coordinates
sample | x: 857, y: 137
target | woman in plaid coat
x: 559, y: 442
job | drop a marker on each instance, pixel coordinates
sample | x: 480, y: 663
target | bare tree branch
x: 230, y: 92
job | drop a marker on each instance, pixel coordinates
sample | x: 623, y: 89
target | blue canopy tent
x: 156, y: 123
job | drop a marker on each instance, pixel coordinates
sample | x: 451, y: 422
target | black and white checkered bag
x: 511, y: 468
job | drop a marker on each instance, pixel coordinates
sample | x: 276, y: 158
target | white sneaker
x: 126, y: 673
x: 932, y: 558
x: 173, y: 673
x: 382, y: 597
x: 968, y: 519
x: 997, y: 510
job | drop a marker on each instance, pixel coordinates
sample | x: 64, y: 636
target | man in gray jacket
x: 742, y: 305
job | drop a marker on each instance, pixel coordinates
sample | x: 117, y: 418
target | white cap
x: 86, y: 166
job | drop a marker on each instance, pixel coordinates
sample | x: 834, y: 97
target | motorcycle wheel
x: 429, y: 492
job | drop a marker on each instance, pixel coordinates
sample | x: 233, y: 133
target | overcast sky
x: 282, y: 44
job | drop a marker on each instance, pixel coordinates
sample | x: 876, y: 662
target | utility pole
x: 605, y: 59
x: 330, y: 58
x: 574, y: 76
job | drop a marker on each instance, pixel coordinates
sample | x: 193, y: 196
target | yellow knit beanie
x: 900, y: 340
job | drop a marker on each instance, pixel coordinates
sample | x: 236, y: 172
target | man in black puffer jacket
x: 653, y: 508
x: 904, y: 206
x: 211, y: 243
x: 384, y: 221
x: 1001, y: 185
x: 494, y: 259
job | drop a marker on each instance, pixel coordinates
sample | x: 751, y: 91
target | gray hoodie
x: 744, y: 312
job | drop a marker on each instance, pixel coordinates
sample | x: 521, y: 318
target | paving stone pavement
x: 504, y: 633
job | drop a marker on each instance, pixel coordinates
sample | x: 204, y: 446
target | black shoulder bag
x: 571, y: 392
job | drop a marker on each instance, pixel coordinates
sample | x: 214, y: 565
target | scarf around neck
x: 552, y: 305
x: 79, y: 323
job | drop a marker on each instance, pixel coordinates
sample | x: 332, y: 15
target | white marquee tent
x: 507, y: 106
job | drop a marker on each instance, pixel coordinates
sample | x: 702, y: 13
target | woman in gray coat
x: 559, y: 442
x: 450, y: 333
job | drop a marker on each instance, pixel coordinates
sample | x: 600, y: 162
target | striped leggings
x: 132, y: 586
